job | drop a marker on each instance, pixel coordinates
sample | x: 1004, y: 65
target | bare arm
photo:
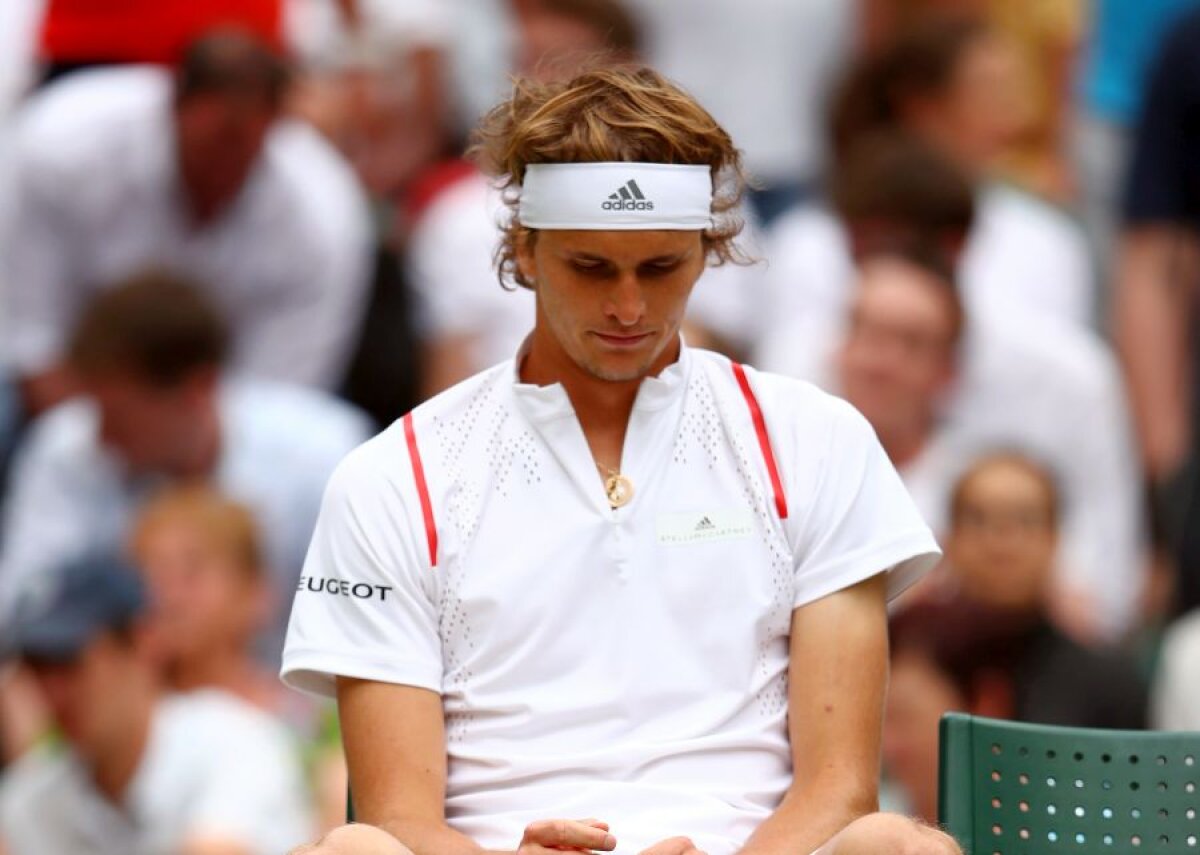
x: 837, y: 681
x: 213, y: 846
x: 395, y: 749
x: 1154, y: 289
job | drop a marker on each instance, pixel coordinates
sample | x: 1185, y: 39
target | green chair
x: 1008, y: 788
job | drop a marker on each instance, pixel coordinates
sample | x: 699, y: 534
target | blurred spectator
x: 764, y: 69
x: 939, y: 388
x: 1123, y: 37
x: 376, y: 83
x: 1005, y: 515
x: 948, y: 82
x: 139, y: 770
x: 990, y: 648
x: 1155, y: 301
x: 202, y: 561
x: 118, y: 170
x: 1008, y: 384
x: 471, y: 321
x: 1039, y: 41
x: 159, y: 411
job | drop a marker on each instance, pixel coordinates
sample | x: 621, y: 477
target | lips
x: 622, y: 339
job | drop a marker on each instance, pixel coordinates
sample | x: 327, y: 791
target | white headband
x: 618, y: 196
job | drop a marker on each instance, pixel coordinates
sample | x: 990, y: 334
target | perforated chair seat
x: 1009, y: 788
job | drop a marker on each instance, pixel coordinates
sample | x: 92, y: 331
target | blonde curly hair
x: 610, y: 113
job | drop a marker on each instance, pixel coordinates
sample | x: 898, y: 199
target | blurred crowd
x: 239, y: 237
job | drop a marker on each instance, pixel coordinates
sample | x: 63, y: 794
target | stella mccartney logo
x: 629, y: 197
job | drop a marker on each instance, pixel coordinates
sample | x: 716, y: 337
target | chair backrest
x: 1009, y: 788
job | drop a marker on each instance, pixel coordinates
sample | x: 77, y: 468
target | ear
x: 526, y: 243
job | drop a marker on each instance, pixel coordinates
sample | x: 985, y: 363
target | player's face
x: 150, y: 428
x: 202, y: 602
x: 898, y: 354
x: 612, y: 301
x: 1002, y: 542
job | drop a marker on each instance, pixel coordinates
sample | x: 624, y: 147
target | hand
x: 673, y: 846
x: 557, y: 835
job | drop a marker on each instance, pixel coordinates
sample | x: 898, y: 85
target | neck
x: 603, y: 407
x: 205, y: 452
x: 113, y: 771
x: 227, y: 669
x: 904, y: 444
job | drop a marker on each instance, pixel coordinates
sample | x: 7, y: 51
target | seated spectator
x: 139, y: 769
x: 201, y: 557
x: 989, y: 648
x: 157, y: 410
x: 944, y: 83
x: 473, y: 322
x: 117, y: 170
x: 939, y: 390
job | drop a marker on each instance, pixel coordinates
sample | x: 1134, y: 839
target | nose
x: 626, y: 302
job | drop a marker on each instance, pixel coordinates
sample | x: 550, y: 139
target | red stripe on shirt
x: 414, y: 455
x: 764, y: 440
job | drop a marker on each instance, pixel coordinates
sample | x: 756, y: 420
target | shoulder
x: 66, y: 433
x: 198, y: 714
x: 797, y: 404
x: 1003, y: 206
x: 805, y: 425
x: 314, y: 179
x: 266, y: 412
x: 42, y: 773
x: 98, y: 108
x: 384, y: 464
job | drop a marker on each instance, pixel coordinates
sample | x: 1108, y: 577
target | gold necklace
x: 618, y: 489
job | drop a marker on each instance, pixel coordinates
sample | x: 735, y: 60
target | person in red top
x: 80, y: 33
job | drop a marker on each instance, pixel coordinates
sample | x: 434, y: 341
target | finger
x: 594, y: 823
x: 569, y: 833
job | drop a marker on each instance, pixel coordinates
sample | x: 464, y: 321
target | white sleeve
x: 49, y: 509
x: 365, y: 605
x: 39, y: 282
x: 252, y: 792
x: 859, y: 519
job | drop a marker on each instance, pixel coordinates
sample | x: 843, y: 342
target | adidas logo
x: 628, y: 198
x: 705, y: 525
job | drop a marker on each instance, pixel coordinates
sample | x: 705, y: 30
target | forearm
x: 431, y: 837
x: 807, y: 818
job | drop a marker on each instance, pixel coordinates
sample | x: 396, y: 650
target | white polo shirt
x: 94, y: 196
x: 627, y: 664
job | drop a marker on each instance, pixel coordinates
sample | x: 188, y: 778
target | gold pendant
x: 618, y: 489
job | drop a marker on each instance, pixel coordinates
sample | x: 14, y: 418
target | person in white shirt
x: 612, y: 577
x: 940, y: 388
x: 947, y: 83
x: 158, y: 411
x: 139, y: 771
x: 119, y: 170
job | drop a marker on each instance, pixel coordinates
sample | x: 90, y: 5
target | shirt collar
x: 542, y: 403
